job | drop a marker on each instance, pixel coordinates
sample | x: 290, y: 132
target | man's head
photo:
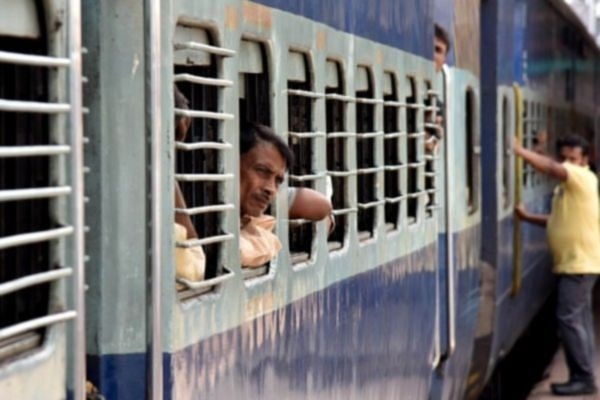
x: 573, y: 149
x: 441, y: 46
x: 264, y: 158
x: 182, y: 123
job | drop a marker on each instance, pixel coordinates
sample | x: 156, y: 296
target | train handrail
x: 518, y: 193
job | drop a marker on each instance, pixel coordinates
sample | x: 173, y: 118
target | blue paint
x: 119, y: 376
x: 407, y: 25
x: 373, y: 330
x: 519, y: 54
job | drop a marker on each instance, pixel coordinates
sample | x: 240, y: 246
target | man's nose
x: 270, y: 187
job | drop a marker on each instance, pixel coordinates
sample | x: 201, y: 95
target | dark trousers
x: 576, y: 324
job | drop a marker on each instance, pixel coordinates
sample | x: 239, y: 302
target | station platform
x: 557, y: 370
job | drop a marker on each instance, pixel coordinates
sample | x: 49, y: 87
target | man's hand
x: 520, y: 211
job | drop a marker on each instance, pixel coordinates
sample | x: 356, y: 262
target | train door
x: 459, y: 238
x: 41, y: 201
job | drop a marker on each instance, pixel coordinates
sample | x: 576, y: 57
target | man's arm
x: 536, y: 219
x: 181, y: 218
x: 540, y: 162
x: 309, y: 204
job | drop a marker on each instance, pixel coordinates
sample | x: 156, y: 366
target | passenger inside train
x: 264, y: 159
x: 441, y: 46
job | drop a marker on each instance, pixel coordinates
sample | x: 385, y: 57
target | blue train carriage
x: 41, y: 200
x: 369, y: 310
x: 351, y: 314
x: 543, y: 91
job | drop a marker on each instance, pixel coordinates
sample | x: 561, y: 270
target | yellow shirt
x: 574, y: 223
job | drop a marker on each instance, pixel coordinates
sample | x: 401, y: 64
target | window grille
x: 415, y: 148
x: 39, y: 213
x: 301, y: 139
x: 367, y: 168
x: 200, y: 157
x: 336, y: 105
x: 392, y: 152
x: 254, y: 102
x: 431, y: 157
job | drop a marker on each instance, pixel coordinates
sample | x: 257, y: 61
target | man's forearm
x: 542, y: 163
x: 536, y: 219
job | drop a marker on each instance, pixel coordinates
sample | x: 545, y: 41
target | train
x: 422, y: 288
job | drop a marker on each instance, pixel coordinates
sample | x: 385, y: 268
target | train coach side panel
x: 370, y: 336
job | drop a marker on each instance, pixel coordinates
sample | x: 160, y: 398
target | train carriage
x: 421, y: 288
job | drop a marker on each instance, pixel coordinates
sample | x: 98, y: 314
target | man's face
x: 262, y: 170
x: 573, y: 155
x: 439, y: 54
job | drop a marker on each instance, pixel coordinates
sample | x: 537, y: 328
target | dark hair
x: 573, y: 141
x: 442, y: 34
x: 252, y: 133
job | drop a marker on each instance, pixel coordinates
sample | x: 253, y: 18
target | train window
x: 431, y: 125
x: 414, y: 146
x: 254, y: 102
x: 472, y: 151
x: 200, y: 154
x: 505, y: 146
x: 392, y: 151
x: 301, y: 137
x: 336, y: 104
x: 365, y: 152
x: 36, y: 198
x: 255, y: 105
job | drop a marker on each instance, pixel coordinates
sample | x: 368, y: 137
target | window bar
x: 35, y: 279
x: 33, y: 60
x: 32, y: 151
x: 36, y: 323
x: 34, y: 107
x: 218, y: 51
x: 37, y: 193
x: 201, y: 80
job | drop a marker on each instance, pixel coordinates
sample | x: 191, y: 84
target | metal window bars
x: 301, y: 105
x: 337, y: 164
x: 65, y: 229
x: 199, y: 173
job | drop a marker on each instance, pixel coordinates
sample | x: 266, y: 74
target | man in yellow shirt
x: 573, y: 229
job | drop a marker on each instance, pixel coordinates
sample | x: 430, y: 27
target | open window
x: 37, y: 194
x: 392, y: 151
x: 199, y: 161
x: 414, y: 143
x: 301, y: 139
x: 336, y: 105
x: 432, y: 127
x: 254, y: 103
x: 472, y: 151
x: 365, y: 152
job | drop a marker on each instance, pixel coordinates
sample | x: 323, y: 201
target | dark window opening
x: 301, y: 234
x: 255, y: 106
x: 391, y: 155
x: 25, y: 83
x: 413, y: 152
x: 365, y: 156
x: 430, y: 172
x: 471, y: 156
x: 202, y: 161
x: 336, y: 157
